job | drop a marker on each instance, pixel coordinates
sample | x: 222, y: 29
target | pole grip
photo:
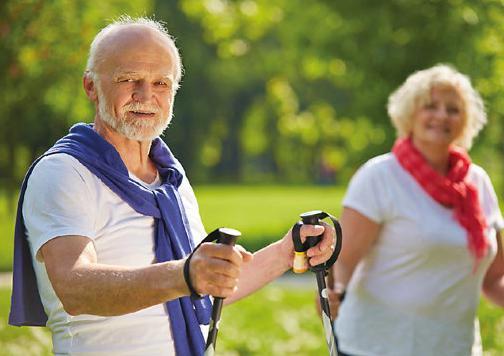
x: 228, y: 236
x: 313, y: 218
x: 225, y: 236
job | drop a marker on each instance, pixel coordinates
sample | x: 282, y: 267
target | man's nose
x: 143, y: 91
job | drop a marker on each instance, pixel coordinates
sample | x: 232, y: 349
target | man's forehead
x: 141, y: 63
x: 137, y: 48
x: 142, y: 72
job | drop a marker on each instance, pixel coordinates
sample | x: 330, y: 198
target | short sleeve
x: 490, y: 202
x: 57, y: 201
x: 366, y: 192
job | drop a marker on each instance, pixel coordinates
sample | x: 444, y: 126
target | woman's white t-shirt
x: 415, y: 292
x: 64, y: 198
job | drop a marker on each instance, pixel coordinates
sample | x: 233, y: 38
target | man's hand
x: 275, y: 259
x: 317, y: 254
x: 324, y: 249
x: 215, y: 268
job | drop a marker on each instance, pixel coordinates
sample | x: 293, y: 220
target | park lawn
x: 6, y: 234
x: 262, y: 213
x: 20, y: 341
x: 278, y: 320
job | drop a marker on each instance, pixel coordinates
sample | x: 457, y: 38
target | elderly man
x: 107, y: 218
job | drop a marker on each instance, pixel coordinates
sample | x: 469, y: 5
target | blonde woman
x: 421, y: 229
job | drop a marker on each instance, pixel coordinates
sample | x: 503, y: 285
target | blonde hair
x: 416, y: 91
x: 94, y: 56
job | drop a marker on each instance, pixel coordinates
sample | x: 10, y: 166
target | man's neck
x: 135, y: 154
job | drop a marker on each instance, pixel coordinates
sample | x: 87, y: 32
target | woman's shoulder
x: 380, y: 164
x: 477, y: 170
x: 477, y: 174
x: 376, y: 170
x: 480, y: 179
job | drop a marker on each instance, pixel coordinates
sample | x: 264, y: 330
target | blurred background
x: 280, y: 103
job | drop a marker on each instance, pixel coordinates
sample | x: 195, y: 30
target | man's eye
x: 126, y: 80
x: 453, y: 110
x: 161, y: 83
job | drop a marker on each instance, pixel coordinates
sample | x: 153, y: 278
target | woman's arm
x: 493, y: 284
x: 359, y: 234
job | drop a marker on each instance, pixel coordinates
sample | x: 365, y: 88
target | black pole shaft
x: 326, y: 313
x: 312, y: 218
x: 214, y: 325
x: 227, y: 237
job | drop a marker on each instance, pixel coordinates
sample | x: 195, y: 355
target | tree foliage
x: 43, y: 53
x: 286, y: 90
x: 296, y: 91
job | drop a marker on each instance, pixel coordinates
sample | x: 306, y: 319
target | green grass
x: 6, y: 233
x: 492, y: 328
x: 262, y: 213
x: 20, y: 341
x: 278, y: 320
x: 275, y: 321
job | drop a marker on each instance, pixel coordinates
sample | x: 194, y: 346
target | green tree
x: 44, y: 46
x: 295, y: 90
x: 283, y: 90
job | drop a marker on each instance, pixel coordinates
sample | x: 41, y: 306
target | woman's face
x: 441, y: 120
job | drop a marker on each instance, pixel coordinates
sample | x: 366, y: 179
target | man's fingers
x: 324, y: 249
x: 223, y: 252
x: 326, y: 245
x: 215, y: 268
x: 220, y: 282
x: 310, y: 230
x: 328, y: 239
x: 246, y: 255
x: 214, y: 277
x: 220, y: 267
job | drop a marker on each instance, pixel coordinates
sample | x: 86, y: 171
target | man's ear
x: 89, y: 87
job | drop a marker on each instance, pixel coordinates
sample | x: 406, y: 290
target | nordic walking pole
x: 226, y: 236
x: 313, y: 218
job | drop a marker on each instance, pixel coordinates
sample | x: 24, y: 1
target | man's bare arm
x: 85, y: 286
x: 274, y: 260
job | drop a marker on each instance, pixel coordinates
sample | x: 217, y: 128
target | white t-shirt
x: 64, y: 198
x: 415, y: 292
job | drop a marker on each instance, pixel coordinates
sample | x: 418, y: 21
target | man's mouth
x: 142, y: 113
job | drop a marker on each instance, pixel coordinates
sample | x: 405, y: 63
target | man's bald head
x: 124, y: 32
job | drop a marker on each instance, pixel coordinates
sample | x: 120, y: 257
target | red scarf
x: 452, y: 190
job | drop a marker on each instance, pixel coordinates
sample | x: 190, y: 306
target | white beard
x: 131, y: 128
